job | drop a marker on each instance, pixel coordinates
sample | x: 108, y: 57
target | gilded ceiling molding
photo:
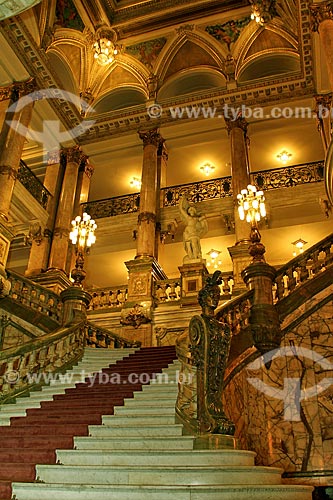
x: 319, y: 13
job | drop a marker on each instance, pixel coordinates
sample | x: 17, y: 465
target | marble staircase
x: 140, y: 453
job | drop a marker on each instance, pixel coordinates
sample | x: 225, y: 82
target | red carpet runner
x: 33, y: 439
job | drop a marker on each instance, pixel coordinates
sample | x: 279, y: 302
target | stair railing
x: 303, y: 267
x: 30, y: 294
x: 99, y: 337
x: 31, y: 364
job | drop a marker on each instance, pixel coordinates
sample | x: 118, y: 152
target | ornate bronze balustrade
x: 303, y: 267
x: 211, y: 189
x: 101, y: 338
x: 35, y: 296
x: 105, y: 298
x: 33, y: 184
x: 110, y: 207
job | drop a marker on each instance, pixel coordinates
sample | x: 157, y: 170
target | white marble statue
x: 195, y: 227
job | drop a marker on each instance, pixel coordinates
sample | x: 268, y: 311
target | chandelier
x: 104, y: 46
x: 83, y: 237
x: 251, y: 204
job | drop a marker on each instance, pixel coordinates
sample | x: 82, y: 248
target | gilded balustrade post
x: 237, y: 130
x: 264, y: 319
x: 209, y: 341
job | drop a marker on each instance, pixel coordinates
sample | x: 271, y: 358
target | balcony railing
x: 211, y: 189
x: 28, y: 179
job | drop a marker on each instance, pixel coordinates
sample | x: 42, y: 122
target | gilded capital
x: 323, y: 101
x: 320, y: 12
x: 238, y: 122
x: 86, y: 167
x: 73, y: 155
x: 151, y: 136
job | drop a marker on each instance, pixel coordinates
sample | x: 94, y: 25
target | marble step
x: 158, y: 458
x: 134, y: 443
x: 158, y: 475
x: 145, y: 430
x: 135, y: 420
x: 31, y: 491
x: 152, y: 410
x: 148, y: 401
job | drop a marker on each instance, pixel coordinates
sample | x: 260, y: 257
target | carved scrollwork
x: 135, y: 317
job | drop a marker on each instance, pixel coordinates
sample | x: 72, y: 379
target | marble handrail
x: 99, y: 337
x: 37, y: 297
x: 303, y: 267
x: 28, y: 364
x: 167, y: 290
x: 104, y: 298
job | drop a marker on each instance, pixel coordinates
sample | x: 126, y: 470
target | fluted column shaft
x: 59, y: 249
x: 148, y: 195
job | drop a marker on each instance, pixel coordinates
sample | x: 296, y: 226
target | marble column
x: 12, y: 138
x: 237, y: 130
x: 147, y: 215
x: 322, y: 22
x: 323, y: 109
x: 136, y: 317
x: 40, y: 248
x: 86, y: 171
x: 59, y: 249
x: 162, y: 161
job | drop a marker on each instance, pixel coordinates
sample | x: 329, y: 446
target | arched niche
x: 191, y: 80
x: 268, y: 65
x: 120, y: 98
x: 63, y: 71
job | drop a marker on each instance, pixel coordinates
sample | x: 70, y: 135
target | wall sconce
x: 298, y: 244
x: 104, y: 46
x: 284, y: 156
x: 213, y: 254
x: 207, y: 168
x: 135, y: 182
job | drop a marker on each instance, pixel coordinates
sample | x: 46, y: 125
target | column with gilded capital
x: 136, y: 316
x: 148, y: 195
x: 237, y: 130
x: 40, y: 247
x: 14, y: 126
x: 322, y: 23
x: 59, y: 249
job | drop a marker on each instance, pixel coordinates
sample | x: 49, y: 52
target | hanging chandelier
x: 104, y: 46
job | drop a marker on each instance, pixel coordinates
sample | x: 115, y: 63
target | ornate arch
x: 201, y: 39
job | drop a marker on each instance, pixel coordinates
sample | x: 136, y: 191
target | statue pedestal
x: 137, y: 312
x: 193, y: 275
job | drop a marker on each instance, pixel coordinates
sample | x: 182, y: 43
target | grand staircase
x: 115, y: 437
